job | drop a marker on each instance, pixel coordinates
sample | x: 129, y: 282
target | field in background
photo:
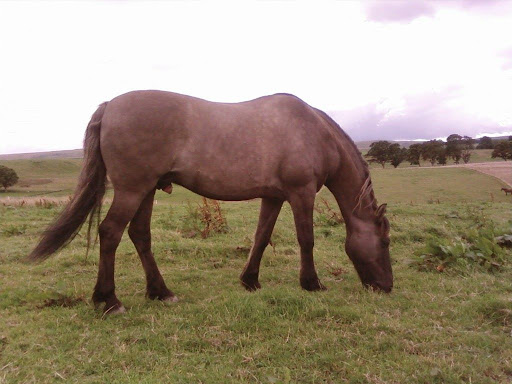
x: 48, y: 177
x: 56, y: 178
x: 434, y: 328
x: 477, y: 156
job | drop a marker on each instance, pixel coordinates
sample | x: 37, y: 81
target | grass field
x: 449, y: 327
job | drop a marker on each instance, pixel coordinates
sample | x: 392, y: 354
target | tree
x: 442, y: 157
x: 503, y: 149
x: 431, y: 150
x: 379, y: 152
x: 414, y: 154
x: 8, y: 177
x: 467, y: 146
x: 396, y: 154
x: 454, y: 147
x: 485, y: 142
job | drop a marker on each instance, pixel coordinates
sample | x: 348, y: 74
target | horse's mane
x: 366, y: 190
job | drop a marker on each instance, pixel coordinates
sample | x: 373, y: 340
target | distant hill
x: 78, y: 153
x: 67, y: 154
x: 498, y: 138
x: 364, y: 145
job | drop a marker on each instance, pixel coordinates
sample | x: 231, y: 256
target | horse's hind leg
x: 302, y: 203
x: 270, y: 209
x: 111, y: 230
x: 140, y: 234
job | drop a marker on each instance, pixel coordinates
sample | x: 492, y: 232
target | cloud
x: 507, y: 58
x: 479, y: 3
x: 426, y: 116
x: 403, y: 11
x: 398, y: 11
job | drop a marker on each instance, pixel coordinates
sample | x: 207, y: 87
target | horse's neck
x: 351, y: 183
x: 353, y: 190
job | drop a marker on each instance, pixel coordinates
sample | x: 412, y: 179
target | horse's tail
x: 86, y: 199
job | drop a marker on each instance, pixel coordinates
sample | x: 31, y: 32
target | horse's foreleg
x: 302, y: 204
x: 269, y: 212
x: 111, y: 230
x: 140, y: 234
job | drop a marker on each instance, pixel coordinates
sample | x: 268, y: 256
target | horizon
x: 396, y: 70
x: 356, y: 142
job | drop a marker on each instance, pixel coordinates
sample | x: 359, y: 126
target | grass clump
x: 494, y: 309
x: 14, y: 230
x: 477, y: 249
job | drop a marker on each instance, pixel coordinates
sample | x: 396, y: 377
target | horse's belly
x: 237, y: 185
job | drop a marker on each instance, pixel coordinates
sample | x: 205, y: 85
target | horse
x: 277, y: 148
x: 507, y: 190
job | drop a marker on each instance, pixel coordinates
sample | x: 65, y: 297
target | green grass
x: 448, y: 185
x: 433, y: 328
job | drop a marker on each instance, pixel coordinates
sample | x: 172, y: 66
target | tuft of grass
x: 495, y: 309
x: 39, y: 202
x: 14, y: 230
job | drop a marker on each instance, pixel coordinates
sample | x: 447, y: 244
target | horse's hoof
x: 170, y: 300
x: 250, y: 281
x: 250, y: 285
x: 114, y: 310
x: 312, y: 285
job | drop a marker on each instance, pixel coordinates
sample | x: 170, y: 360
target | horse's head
x: 367, y: 246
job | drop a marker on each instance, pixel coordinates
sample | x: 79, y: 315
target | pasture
x: 453, y: 326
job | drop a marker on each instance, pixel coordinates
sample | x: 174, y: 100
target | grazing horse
x: 507, y: 190
x: 277, y: 148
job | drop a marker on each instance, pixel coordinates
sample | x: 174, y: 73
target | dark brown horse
x: 277, y: 148
x: 507, y: 190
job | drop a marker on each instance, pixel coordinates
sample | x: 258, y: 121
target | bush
x: 204, y: 219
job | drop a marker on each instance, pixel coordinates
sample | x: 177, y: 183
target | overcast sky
x: 383, y: 70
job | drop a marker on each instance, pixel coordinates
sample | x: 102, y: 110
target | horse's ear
x: 381, y: 211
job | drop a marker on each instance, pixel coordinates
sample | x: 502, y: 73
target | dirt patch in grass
x: 62, y: 301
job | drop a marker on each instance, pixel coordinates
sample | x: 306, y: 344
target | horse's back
x: 253, y: 146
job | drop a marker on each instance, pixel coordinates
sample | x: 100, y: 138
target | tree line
x: 456, y: 147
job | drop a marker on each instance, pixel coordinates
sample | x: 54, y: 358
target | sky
x: 382, y: 69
